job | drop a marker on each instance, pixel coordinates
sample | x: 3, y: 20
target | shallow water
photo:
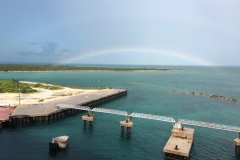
x: 148, y: 92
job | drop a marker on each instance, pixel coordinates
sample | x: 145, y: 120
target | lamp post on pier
x: 18, y: 94
x: 98, y: 84
x: 23, y: 91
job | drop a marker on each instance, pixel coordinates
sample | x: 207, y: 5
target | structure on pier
x: 216, y: 126
x: 180, y: 135
x: 60, y: 142
x: 237, y: 145
x: 88, y: 118
x: 127, y: 123
x: 179, y: 143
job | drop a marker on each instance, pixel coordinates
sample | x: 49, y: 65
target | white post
x: 19, y: 94
x: 98, y: 84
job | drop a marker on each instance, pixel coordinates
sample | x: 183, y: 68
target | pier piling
x: 90, y: 123
x: 237, y: 145
x: 179, y: 144
x: 122, y: 129
x: 88, y: 118
x: 127, y: 123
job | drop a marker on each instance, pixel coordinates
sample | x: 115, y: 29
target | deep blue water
x: 148, y: 92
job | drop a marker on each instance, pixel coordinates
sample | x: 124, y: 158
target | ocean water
x: 148, y: 92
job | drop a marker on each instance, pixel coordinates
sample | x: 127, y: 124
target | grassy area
x: 13, y: 86
x: 45, y: 86
x: 41, y: 100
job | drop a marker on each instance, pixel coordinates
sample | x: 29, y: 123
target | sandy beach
x: 42, y: 96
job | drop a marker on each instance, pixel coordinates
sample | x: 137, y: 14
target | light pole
x: 98, y: 84
x: 19, y: 95
x: 23, y: 91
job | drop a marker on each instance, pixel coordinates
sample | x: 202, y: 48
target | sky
x: 136, y: 32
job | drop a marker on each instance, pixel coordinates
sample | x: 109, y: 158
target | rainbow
x: 180, y: 55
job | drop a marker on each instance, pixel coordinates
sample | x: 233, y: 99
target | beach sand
x: 42, y: 96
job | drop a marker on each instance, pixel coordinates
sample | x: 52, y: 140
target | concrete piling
x: 127, y: 123
x: 90, y: 124
x: 122, y: 129
x: 128, y: 130
x: 88, y: 118
x: 237, y: 145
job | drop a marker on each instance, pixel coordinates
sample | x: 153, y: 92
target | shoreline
x: 154, y: 70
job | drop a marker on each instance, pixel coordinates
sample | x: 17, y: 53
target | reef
x: 209, y: 95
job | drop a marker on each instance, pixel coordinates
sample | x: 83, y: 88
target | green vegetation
x: 41, y: 100
x: 50, y: 87
x: 13, y: 86
x: 38, y: 67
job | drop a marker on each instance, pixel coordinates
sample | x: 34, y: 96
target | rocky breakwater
x: 209, y: 95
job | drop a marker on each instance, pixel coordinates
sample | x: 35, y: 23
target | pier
x: 237, y: 145
x: 60, y: 142
x: 178, y: 147
x: 36, y: 113
x: 180, y: 142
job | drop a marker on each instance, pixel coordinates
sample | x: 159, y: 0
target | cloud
x: 65, y: 50
x: 33, y: 43
x: 27, y: 53
x: 47, y: 49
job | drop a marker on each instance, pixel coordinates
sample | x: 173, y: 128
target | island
x: 51, y: 67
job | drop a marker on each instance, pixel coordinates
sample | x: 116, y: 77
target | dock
x: 179, y: 144
x: 60, y: 142
x: 31, y: 113
x: 4, y: 114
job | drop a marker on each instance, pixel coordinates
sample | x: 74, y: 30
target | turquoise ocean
x: 149, y: 92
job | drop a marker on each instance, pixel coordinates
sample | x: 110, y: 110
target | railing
x: 210, y: 125
x: 110, y: 111
x: 154, y: 117
x: 61, y: 106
